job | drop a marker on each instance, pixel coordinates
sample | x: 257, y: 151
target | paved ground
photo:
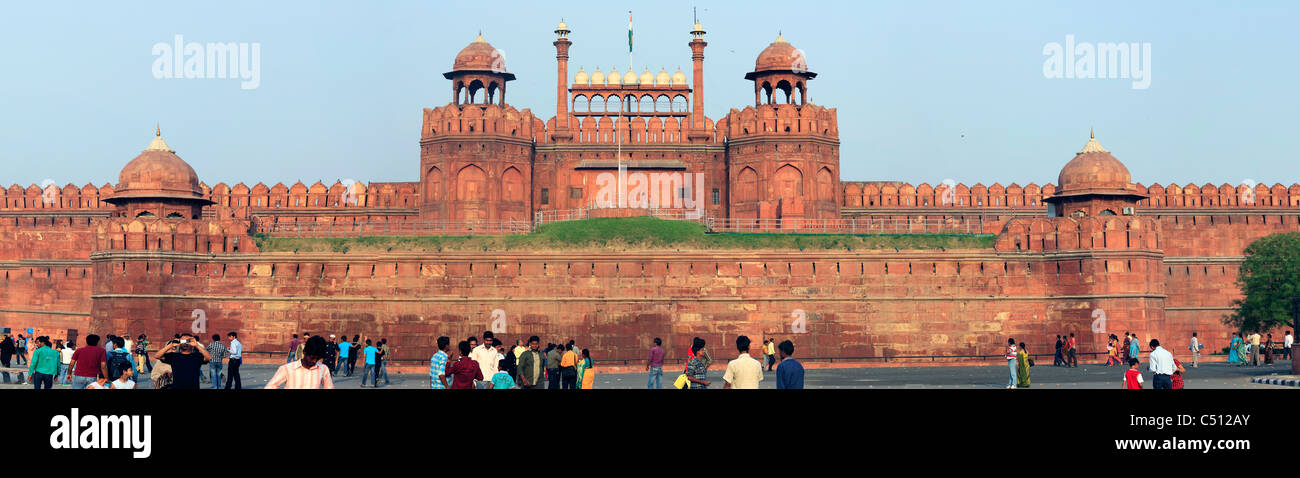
x: 1211, y: 375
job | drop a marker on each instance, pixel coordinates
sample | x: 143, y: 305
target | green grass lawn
x: 635, y: 233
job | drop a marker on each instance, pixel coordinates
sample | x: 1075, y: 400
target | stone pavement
x: 1209, y: 375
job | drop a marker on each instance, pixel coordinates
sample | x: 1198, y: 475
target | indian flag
x: 629, y: 31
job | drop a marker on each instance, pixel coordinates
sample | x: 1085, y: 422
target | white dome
x: 598, y: 78
x: 581, y: 77
x: 662, y: 78
x: 614, y: 78
x: 679, y: 78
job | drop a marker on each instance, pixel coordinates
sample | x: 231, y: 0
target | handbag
x: 681, y: 382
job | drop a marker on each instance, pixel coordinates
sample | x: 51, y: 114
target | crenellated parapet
x: 175, y: 235
x: 1079, y: 233
x: 893, y: 194
x: 493, y: 119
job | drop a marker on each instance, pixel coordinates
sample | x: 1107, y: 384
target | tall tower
x: 697, y: 44
x: 783, y: 155
x: 562, y: 44
x: 476, y: 156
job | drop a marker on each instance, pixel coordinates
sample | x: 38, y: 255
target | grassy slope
x: 639, y: 233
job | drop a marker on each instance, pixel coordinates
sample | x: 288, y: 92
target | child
x: 99, y: 384
x: 124, y: 382
x: 1132, y: 378
x: 502, y: 380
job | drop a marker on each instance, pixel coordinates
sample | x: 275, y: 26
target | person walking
x: 370, y: 351
x: 1059, y: 357
x: 1124, y: 348
x: 655, y: 366
x: 771, y: 353
x: 1072, y: 351
x: 530, y: 365
x: 553, y: 359
x: 1268, y: 350
x: 486, y: 356
x: 789, y: 372
x: 1022, y: 366
x: 88, y: 363
x: 697, y: 369
x: 331, y: 355
x: 569, y: 368
x: 356, y: 353
x: 382, y: 362
x: 464, y: 371
x: 44, y: 364
x: 293, y: 349
x: 438, y: 365
x: 307, y: 372
x: 218, y: 352
x: 1112, y: 352
x: 1161, y: 366
x: 236, y: 359
x: 21, y: 349
x: 1287, y: 343
x: 1012, y: 358
x: 1233, y: 356
x: 7, y: 349
x: 1133, y: 351
x: 142, y: 353
x: 1195, y: 347
x: 119, y: 358
x: 65, y: 358
x: 1254, y: 348
x: 743, y: 372
x: 764, y: 350
x: 345, y: 348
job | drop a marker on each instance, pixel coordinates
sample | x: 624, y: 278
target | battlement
x: 780, y: 119
x: 1081, y: 233
x: 872, y: 194
x: 201, y: 236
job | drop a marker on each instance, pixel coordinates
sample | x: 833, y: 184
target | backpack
x: 117, y: 362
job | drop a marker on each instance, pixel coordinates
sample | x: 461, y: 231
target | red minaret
x: 562, y: 82
x: 697, y: 44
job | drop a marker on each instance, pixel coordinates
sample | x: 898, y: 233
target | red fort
x: 144, y: 254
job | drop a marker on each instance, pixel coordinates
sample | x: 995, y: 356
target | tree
x: 1270, y: 280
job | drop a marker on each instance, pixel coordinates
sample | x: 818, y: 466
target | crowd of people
x: 120, y: 362
x: 1247, y: 349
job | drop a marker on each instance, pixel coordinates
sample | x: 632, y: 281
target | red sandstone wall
x: 45, y: 276
x: 864, y: 304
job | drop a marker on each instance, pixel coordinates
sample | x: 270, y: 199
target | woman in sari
x: 1112, y: 351
x: 586, y: 371
x: 1268, y: 350
x: 1232, y: 349
x: 1022, y: 367
x: 1133, y: 349
x: 1243, y: 351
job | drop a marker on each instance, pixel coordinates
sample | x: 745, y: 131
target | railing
x: 867, y: 225
x: 411, y: 228
x: 546, y: 217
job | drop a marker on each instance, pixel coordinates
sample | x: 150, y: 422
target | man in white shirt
x: 1161, y: 366
x: 1196, y: 349
x: 1286, y: 346
x: 486, y: 356
x: 236, y: 359
x: 744, y: 371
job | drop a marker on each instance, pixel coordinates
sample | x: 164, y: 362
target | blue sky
x: 925, y: 90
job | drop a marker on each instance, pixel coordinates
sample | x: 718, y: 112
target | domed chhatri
x: 1093, y: 169
x: 1094, y: 183
x: 158, y: 183
x: 780, y: 68
x: 779, y: 55
x: 479, y: 55
x: 479, y: 67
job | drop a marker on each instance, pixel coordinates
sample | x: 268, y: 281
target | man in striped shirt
x: 438, y: 365
x: 306, y: 373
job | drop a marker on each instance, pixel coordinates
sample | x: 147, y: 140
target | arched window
x: 581, y: 105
